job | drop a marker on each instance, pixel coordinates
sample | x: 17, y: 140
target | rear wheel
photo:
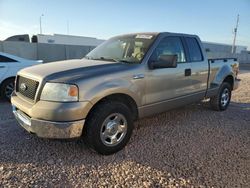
x: 109, y: 127
x: 221, y: 101
x: 7, y: 88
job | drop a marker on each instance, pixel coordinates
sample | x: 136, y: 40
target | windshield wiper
x: 105, y: 59
x: 101, y: 58
x: 126, y: 61
x: 110, y: 59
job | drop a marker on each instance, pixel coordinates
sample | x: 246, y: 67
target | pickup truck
x: 125, y: 78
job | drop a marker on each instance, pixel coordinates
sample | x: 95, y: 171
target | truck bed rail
x: 223, y: 59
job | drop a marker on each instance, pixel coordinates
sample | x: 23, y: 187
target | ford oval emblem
x: 23, y: 87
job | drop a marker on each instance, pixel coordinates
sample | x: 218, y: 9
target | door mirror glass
x: 164, y: 61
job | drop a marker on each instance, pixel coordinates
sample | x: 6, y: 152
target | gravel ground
x: 191, y: 146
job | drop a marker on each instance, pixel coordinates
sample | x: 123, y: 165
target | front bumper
x: 49, y: 129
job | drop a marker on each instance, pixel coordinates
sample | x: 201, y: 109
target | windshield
x: 127, y: 48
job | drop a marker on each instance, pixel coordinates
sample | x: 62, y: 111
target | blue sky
x: 212, y: 20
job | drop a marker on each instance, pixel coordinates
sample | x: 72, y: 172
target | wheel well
x: 229, y: 79
x: 123, y: 98
x: 13, y: 77
x: 1, y: 84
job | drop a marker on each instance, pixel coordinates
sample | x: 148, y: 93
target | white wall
x: 45, y: 52
x: 68, y: 40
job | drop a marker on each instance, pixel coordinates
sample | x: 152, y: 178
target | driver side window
x: 4, y: 59
x: 169, y: 46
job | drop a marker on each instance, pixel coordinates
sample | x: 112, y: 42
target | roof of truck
x: 159, y: 33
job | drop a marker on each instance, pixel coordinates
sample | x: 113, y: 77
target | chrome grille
x: 26, y: 87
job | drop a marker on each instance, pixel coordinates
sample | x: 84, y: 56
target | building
x: 219, y: 47
x: 68, y: 40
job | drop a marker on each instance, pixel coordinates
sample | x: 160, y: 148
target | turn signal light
x: 73, y: 91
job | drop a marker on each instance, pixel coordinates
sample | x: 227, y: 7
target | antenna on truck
x: 235, y: 34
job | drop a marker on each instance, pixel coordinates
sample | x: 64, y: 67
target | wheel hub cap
x: 9, y: 89
x: 114, y: 129
x: 225, y: 97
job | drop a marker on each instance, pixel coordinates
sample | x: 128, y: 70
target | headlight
x: 59, y: 92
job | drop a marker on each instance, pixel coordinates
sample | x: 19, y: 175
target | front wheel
x: 7, y: 88
x: 109, y: 127
x: 221, y: 101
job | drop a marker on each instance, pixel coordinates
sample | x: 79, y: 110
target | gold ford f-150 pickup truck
x: 125, y: 78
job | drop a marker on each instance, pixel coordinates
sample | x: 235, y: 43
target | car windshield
x: 126, y: 49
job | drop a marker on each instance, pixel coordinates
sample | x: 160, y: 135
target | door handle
x: 188, y: 72
x: 138, y: 76
x: 2, y: 67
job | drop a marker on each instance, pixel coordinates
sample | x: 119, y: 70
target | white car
x: 9, y: 66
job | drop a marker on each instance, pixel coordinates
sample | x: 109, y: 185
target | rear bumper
x: 49, y: 129
x: 236, y: 83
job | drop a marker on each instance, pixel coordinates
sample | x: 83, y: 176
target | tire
x: 221, y: 101
x: 108, y: 127
x: 7, y: 88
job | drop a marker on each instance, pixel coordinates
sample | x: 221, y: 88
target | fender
x: 117, y: 86
x: 224, y: 71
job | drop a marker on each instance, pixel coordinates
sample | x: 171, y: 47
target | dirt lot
x: 190, y: 146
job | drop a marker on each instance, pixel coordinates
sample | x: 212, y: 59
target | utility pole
x: 41, y: 23
x: 67, y: 27
x: 235, y: 34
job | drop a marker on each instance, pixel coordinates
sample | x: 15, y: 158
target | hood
x: 66, y: 71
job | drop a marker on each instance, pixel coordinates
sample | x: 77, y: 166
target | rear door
x: 199, y: 65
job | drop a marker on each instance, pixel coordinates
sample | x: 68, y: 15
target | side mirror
x: 165, y: 61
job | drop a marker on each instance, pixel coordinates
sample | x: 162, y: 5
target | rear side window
x: 4, y: 59
x: 194, y: 49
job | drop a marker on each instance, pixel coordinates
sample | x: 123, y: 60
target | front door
x: 168, y: 83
